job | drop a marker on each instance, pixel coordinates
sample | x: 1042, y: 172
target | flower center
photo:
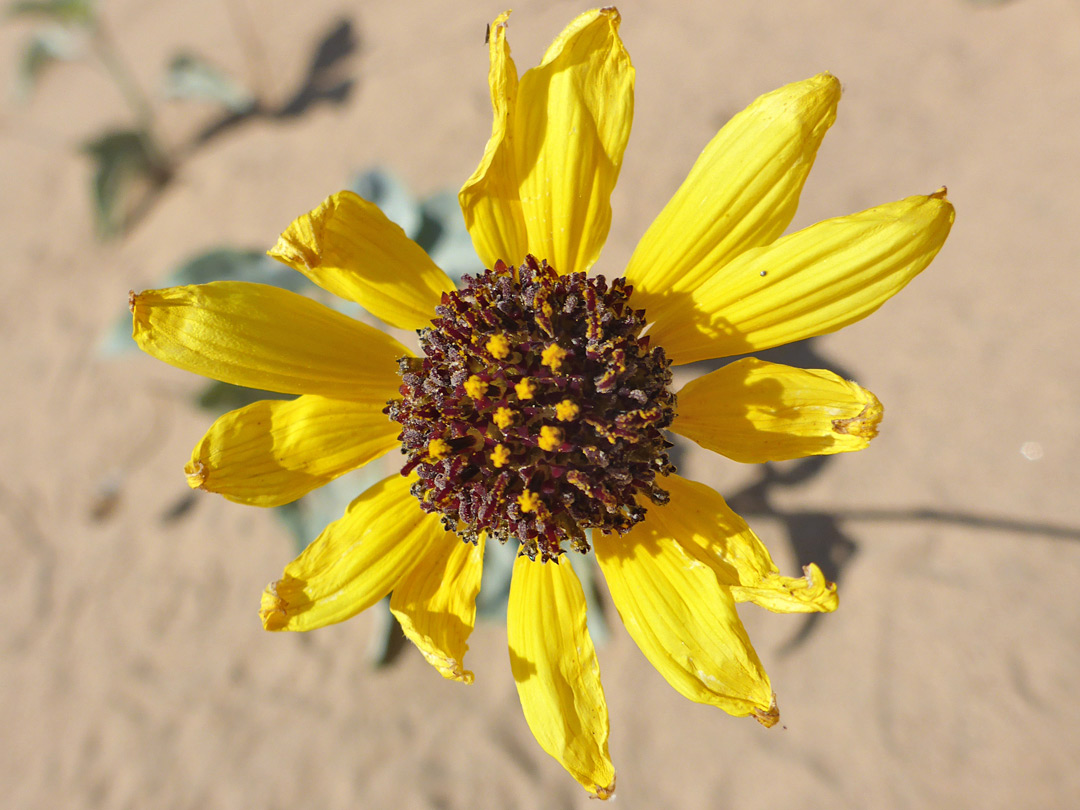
x: 537, y: 409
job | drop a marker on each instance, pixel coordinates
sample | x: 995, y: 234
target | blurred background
x: 138, y: 139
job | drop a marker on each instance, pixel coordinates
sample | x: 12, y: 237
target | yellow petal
x: 435, y: 604
x: 810, y: 593
x: 698, y: 516
x: 275, y: 451
x: 556, y: 147
x: 741, y: 193
x: 753, y: 411
x: 557, y: 674
x: 356, y: 561
x: 265, y: 337
x: 812, y: 282
x: 348, y: 247
x: 676, y: 603
x: 573, y: 122
x: 489, y: 199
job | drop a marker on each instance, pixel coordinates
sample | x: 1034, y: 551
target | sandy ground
x: 134, y: 670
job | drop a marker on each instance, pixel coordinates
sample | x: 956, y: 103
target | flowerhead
x: 538, y: 406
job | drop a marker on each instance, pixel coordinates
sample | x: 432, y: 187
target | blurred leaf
x: 122, y: 159
x: 387, y: 639
x: 191, y: 77
x: 231, y: 264
x: 80, y: 12
x: 219, y: 397
x: 307, y: 517
x: 46, y: 46
x: 394, y: 199
x: 451, y: 248
x: 495, y: 586
x: 117, y: 340
x: 495, y: 580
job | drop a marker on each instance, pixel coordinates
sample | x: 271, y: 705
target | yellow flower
x: 714, y: 277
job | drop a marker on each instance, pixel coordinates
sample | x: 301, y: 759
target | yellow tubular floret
x: 348, y: 247
x: 500, y: 456
x: 356, y: 561
x: 438, y: 448
x: 741, y: 193
x: 525, y: 389
x: 264, y: 337
x: 551, y: 438
x: 567, y: 410
x: 545, y: 181
x: 809, y: 283
x: 435, y: 604
x: 552, y: 356
x: 274, y: 451
x: 528, y: 501
x: 504, y: 417
x: 753, y: 411
x: 475, y: 387
x: 556, y: 671
x: 498, y: 346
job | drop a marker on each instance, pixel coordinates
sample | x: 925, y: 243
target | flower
x: 537, y: 408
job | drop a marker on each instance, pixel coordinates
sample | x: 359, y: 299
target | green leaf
x: 382, y: 187
x: 117, y: 339
x: 49, y: 45
x: 495, y: 579
x: 307, y: 517
x: 191, y: 77
x: 78, y: 12
x: 231, y: 264
x: 122, y: 160
x: 450, y: 245
x: 495, y: 586
x: 220, y: 397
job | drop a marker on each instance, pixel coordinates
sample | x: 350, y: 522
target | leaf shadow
x: 326, y: 81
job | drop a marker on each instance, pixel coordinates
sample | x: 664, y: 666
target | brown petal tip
x: 604, y: 793
x: 865, y: 425
x: 196, y: 474
x: 274, y: 610
x: 769, y: 718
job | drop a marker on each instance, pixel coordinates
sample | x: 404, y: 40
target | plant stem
x: 240, y: 18
x: 106, y: 51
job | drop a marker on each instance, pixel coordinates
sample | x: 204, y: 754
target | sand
x: 135, y: 672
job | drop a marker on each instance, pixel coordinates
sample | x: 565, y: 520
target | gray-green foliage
x: 72, y: 12
x: 191, y: 77
x: 122, y: 159
x: 130, y: 164
x: 44, y: 47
